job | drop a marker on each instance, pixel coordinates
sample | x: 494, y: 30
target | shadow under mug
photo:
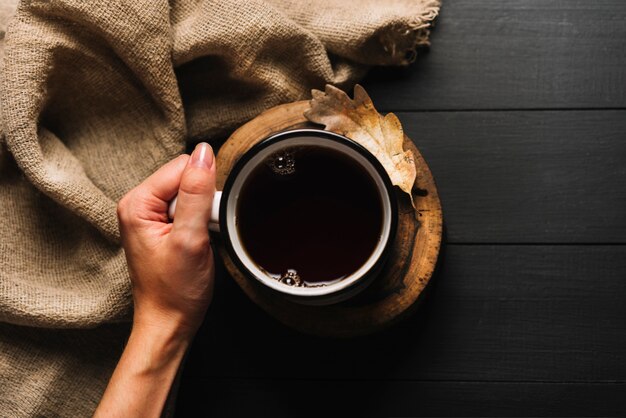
x: 224, y: 215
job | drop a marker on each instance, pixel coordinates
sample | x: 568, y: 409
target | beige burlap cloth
x: 94, y: 97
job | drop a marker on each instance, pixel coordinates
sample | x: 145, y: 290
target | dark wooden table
x: 520, y: 110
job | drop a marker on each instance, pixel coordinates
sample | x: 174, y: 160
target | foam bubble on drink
x: 291, y: 278
x: 282, y: 163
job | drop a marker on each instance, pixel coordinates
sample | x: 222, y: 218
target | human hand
x: 172, y: 271
x: 171, y: 264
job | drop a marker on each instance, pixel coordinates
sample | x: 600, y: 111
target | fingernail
x: 202, y: 156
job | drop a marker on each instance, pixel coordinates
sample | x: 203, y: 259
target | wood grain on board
x: 514, y: 54
x: 527, y: 177
x: 303, y: 398
x: 491, y: 313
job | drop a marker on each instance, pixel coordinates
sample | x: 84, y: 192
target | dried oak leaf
x: 360, y: 121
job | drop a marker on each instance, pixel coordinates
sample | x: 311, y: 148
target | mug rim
x: 335, y: 288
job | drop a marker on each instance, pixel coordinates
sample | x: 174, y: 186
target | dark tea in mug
x: 309, y: 216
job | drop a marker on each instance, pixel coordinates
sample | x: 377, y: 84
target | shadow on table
x: 243, y: 359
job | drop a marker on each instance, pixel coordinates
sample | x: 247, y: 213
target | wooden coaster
x: 406, y: 273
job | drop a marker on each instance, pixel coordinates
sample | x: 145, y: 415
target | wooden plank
x: 496, y: 54
x: 492, y: 313
x: 289, y: 398
x: 527, y: 177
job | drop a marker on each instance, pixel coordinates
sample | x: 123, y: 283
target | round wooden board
x: 408, y: 270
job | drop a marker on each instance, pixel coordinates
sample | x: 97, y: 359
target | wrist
x: 167, y: 324
x: 159, y: 347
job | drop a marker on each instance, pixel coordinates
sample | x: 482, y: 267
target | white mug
x: 224, y: 213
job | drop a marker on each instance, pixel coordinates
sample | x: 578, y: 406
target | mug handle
x: 214, y: 223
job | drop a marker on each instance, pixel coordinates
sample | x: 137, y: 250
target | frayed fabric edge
x: 403, y: 40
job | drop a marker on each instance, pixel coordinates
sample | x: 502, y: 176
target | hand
x: 171, y: 264
x: 171, y: 270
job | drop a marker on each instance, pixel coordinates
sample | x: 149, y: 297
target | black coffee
x: 309, y: 216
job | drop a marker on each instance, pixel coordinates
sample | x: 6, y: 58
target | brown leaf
x: 358, y: 120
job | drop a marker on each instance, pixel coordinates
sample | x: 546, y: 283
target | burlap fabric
x: 94, y: 97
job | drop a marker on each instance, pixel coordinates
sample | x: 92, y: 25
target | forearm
x: 144, y: 375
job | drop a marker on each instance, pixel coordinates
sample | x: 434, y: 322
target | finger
x: 163, y: 183
x: 196, y: 191
x: 148, y: 201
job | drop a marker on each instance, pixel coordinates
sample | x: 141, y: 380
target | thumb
x: 195, y: 194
